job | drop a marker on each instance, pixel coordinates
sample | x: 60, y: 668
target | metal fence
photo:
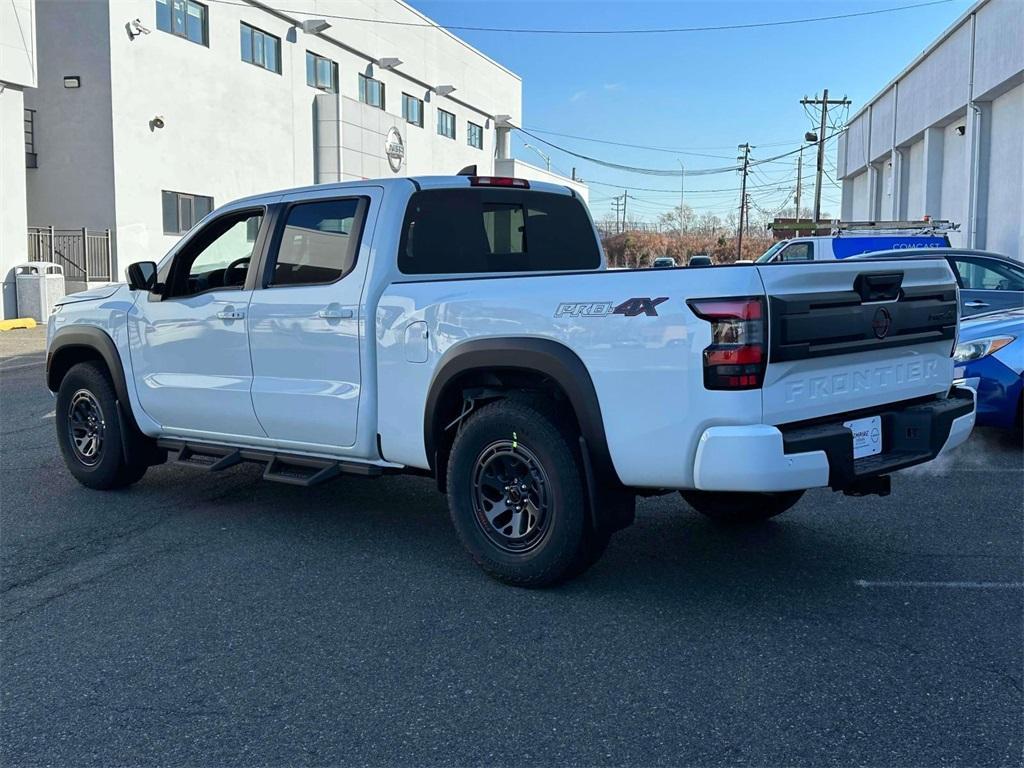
x: 85, y: 255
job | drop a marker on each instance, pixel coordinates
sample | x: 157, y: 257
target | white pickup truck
x: 466, y: 328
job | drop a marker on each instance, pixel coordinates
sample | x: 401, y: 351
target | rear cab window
x: 469, y: 231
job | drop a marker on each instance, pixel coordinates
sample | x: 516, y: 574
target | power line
x: 670, y: 150
x: 658, y: 171
x: 675, y: 192
x: 551, y: 31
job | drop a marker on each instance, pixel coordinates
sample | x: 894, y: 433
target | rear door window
x: 318, y: 242
x: 465, y: 231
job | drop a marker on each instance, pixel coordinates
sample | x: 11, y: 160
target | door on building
x: 189, y: 344
x: 304, y: 321
x: 988, y: 284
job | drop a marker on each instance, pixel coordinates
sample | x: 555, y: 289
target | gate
x: 86, y: 256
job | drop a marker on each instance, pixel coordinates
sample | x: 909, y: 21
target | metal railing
x: 85, y: 255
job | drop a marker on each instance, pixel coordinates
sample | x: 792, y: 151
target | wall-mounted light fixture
x: 156, y: 122
x: 314, y: 26
x: 444, y: 90
x: 72, y: 81
x: 388, y: 63
x: 961, y: 130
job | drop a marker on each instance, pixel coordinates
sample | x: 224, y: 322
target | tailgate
x: 852, y: 335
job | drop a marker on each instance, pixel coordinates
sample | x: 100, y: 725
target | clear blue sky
x: 691, y: 91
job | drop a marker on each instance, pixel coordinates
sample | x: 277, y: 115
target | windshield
x: 767, y: 256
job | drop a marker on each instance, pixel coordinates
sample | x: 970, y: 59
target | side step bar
x: 278, y: 467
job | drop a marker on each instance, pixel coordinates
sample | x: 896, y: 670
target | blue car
x: 989, y: 357
x: 988, y: 281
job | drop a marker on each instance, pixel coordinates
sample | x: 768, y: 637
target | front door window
x: 218, y: 257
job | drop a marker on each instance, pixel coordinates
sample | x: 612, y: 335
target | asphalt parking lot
x: 201, y: 619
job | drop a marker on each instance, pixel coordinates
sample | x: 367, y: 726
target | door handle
x: 975, y: 304
x: 335, y: 314
x: 231, y: 315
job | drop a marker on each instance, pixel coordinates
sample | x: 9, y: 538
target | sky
x: 702, y: 92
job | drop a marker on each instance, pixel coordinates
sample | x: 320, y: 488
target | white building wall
x: 912, y: 206
x: 17, y: 72
x: 1005, y: 233
x: 232, y: 129
x: 861, y: 210
x: 13, y: 210
x: 922, y: 113
x: 953, y: 195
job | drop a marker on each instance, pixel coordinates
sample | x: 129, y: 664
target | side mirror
x: 142, y: 276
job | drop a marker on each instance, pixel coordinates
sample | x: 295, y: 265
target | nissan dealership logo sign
x: 394, y: 148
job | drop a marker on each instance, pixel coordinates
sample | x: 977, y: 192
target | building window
x: 261, y: 48
x: 321, y: 73
x: 31, y: 159
x: 412, y: 109
x: 474, y: 135
x: 184, y: 18
x: 371, y: 91
x: 446, y: 124
x: 182, y: 211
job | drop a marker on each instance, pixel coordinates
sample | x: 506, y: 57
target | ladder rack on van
x: 922, y: 227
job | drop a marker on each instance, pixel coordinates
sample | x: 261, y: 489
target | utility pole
x: 799, y: 185
x: 682, y: 177
x: 745, y: 157
x: 625, y: 197
x: 824, y: 103
x: 617, y: 203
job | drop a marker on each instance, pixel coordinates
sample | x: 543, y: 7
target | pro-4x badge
x: 629, y: 308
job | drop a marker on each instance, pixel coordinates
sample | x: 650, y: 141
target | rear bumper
x: 764, y: 458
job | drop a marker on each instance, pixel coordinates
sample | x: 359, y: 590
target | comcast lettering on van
x: 406, y: 325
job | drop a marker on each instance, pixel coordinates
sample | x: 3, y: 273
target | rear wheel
x: 515, y: 493
x: 741, y: 508
x: 89, y: 430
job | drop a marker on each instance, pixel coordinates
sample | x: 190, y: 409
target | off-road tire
x: 107, y: 469
x: 732, y: 508
x: 560, y: 550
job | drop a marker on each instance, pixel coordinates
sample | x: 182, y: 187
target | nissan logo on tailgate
x: 881, y: 323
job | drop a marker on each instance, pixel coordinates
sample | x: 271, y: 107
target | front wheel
x: 741, y: 508
x: 516, y: 495
x: 89, y: 430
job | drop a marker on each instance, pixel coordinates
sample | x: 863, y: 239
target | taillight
x: 498, y: 181
x: 737, y: 355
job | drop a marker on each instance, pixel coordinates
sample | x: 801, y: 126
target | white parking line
x: 942, y: 584
x: 49, y: 415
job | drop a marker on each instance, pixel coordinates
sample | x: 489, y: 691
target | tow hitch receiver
x: 878, y: 485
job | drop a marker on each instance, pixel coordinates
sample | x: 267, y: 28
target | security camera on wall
x: 136, y: 28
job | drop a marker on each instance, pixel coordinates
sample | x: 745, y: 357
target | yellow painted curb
x: 18, y: 322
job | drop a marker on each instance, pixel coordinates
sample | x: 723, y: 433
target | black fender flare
x: 84, y: 337
x: 88, y: 337
x: 546, y: 356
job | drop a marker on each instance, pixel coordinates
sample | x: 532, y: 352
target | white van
x: 855, y: 238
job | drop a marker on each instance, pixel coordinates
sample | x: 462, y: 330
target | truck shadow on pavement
x: 361, y: 529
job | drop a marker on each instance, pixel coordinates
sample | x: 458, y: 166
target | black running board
x: 279, y: 467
